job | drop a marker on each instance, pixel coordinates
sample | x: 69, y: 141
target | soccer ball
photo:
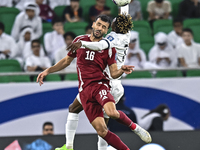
x: 121, y: 3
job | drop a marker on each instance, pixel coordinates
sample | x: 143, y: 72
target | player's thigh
x: 117, y: 90
x: 110, y: 110
x: 76, y: 106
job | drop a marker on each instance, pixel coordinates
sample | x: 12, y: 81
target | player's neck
x: 94, y: 39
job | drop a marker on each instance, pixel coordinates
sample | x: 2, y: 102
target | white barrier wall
x: 24, y: 107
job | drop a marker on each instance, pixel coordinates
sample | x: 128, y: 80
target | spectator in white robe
x: 35, y: 62
x: 54, y: 40
x: 135, y: 55
x: 174, y: 37
x: 24, y: 37
x: 7, y: 44
x: 19, y: 4
x: 189, y: 51
x: 5, y: 3
x: 62, y: 52
x: 55, y: 3
x: 28, y: 17
x: 162, y: 53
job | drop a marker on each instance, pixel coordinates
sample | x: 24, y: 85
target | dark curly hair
x: 123, y: 23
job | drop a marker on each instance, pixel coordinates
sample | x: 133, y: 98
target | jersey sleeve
x: 97, y: 46
x: 112, y: 57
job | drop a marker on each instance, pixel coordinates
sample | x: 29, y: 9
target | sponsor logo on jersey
x: 110, y: 38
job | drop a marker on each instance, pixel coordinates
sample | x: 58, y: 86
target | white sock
x: 102, y: 144
x: 70, y: 129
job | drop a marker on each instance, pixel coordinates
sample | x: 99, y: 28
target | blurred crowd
x: 36, y: 51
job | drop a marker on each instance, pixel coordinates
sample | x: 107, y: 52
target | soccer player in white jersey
x: 119, y: 38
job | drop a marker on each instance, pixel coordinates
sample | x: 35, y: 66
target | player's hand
x: 127, y: 69
x: 74, y: 46
x: 41, y: 77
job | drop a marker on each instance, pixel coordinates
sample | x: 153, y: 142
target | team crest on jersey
x: 110, y: 38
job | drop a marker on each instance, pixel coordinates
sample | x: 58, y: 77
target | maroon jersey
x: 91, y: 64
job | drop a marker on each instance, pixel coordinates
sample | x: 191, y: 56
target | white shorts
x: 117, y: 92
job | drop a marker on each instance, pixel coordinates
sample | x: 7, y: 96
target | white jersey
x: 121, y: 43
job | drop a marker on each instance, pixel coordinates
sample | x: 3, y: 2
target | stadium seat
x: 139, y: 74
x: 73, y: 76
x: 10, y: 65
x: 169, y: 73
x: 59, y: 11
x: 142, y: 27
x: 193, y: 24
x: 175, y: 7
x: 46, y: 27
x: 85, y: 5
x: 193, y: 73
x: 146, y: 43
x: 162, y: 26
x: 78, y: 27
x: 7, y: 16
x: 53, y: 77
x: 144, y: 3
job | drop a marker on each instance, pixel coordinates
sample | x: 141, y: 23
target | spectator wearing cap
x: 73, y: 13
x: 188, y: 51
x: 154, y: 119
x: 54, y: 40
x: 136, y: 55
x: 8, y: 45
x: 174, y: 37
x: 158, y: 9
x: 162, y: 53
x: 46, y: 13
x: 28, y: 17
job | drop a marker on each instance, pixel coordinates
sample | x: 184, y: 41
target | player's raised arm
x: 124, y: 9
x: 63, y: 63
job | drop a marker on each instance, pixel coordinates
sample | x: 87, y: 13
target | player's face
x: 99, y: 28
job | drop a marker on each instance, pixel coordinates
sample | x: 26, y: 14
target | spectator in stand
x: 46, y: 13
x: 5, y: 3
x: 162, y: 53
x: 97, y: 9
x: 55, y: 3
x: 135, y: 56
x: 47, y: 128
x: 188, y: 51
x: 73, y: 13
x: 8, y: 45
x: 88, y: 29
x: 24, y: 37
x: 28, y: 17
x: 174, y: 37
x: 154, y: 120
x: 135, y: 10
x: 35, y: 62
x: 54, y: 40
x: 158, y: 9
x: 116, y: 127
x: 189, y: 9
x: 62, y: 52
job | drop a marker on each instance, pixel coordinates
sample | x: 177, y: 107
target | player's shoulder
x: 85, y: 37
x: 111, y: 36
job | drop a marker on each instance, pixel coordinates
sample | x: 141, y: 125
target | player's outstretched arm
x: 115, y: 73
x: 96, y: 46
x: 63, y: 63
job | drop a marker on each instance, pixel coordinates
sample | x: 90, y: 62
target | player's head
x: 100, y: 26
x: 69, y: 37
x: 47, y: 128
x: 187, y: 35
x: 122, y: 23
x: 35, y: 46
x: 2, y: 27
x: 178, y: 25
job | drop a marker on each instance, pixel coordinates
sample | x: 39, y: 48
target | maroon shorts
x: 93, y: 98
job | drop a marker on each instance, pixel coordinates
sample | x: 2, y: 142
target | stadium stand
x: 7, y: 16
x: 162, y: 25
x: 59, y: 11
x: 192, y: 73
x: 142, y: 27
x: 77, y: 27
x: 9, y: 65
x: 168, y: 73
x: 73, y: 76
x: 146, y: 43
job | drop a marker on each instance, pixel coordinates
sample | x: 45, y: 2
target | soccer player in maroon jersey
x: 94, y: 89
